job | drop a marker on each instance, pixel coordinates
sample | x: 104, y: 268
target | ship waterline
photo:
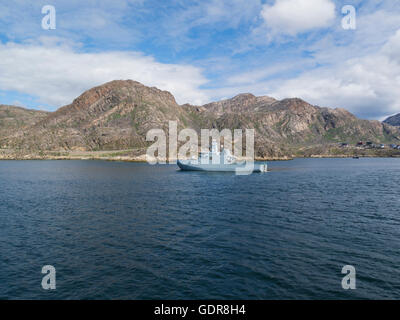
x: 242, y: 167
x: 220, y: 161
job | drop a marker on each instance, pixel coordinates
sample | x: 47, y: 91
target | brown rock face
x: 15, y: 119
x: 118, y: 114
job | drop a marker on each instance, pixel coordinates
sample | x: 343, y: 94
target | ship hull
x: 240, y: 167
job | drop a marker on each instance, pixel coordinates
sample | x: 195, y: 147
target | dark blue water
x: 134, y: 231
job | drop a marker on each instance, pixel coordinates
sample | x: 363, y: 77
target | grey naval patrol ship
x: 220, y: 161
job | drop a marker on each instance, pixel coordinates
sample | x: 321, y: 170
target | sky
x: 205, y: 50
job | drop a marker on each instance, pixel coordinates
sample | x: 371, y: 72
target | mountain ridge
x: 118, y: 114
x: 393, y: 120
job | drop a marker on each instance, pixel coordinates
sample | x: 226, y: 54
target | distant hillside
x: 15, y: 119
x: 118, y: 114
x: 293, y: 126
x: 393, y: 120
x: 115, y: 115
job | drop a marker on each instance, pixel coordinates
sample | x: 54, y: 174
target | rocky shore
x: 133, y: 156
x: 96, y: 156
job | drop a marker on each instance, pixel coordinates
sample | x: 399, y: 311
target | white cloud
x: 358, y: 70
x: 253, y: 77
x: 76, y: 20
x: 57, y: 72
x: 228, y: 12
x: 18, y: 104
x: 292, y: 17
x: 368, y: 86
x: 212, y: 16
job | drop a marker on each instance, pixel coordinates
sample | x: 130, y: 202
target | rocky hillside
x: 293, y: 126
x: 118, y: 114
x: 15, y: 119
x: 393, y: 120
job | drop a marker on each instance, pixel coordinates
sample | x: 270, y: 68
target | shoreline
x: 139, y: 155
x: 120, y: 159
x: 142, y: 160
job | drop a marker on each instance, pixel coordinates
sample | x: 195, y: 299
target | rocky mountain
x: 113, y: 116
x: 393, y: 120
x: 118, y: 114
x: 295, y: 127
x: 15, y: 119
